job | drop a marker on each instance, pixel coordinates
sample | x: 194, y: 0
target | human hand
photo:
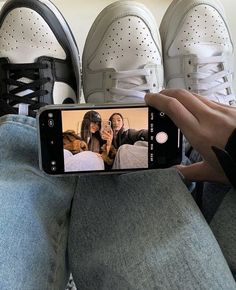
x: 107, y: 136
x: 204, y: 124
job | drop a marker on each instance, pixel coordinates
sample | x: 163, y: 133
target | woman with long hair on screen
x: 99, y: 141
x: 131, y: 152
x: 90, y: 131
x: 125, y: 136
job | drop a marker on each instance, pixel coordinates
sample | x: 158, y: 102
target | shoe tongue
x: 206, y: 50
x: 23, y: 93
x: 23, y: 109
x: 131, y: 82
x: 25, y: 80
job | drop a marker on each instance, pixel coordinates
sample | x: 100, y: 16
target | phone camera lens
x: 50, y: 115
x: 162, y: 114
x: 50, y: 123
x: 53, y: 162
x: 53, y: 168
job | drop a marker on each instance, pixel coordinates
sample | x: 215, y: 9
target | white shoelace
x: 132, y: 83
x: 212, y: 79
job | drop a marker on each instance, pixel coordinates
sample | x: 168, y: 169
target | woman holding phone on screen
x: 97, y: 136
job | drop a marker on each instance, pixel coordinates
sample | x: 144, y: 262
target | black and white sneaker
x: 39, y: 58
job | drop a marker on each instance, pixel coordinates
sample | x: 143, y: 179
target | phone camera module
x: 53, y: 168
x: 50, y: 123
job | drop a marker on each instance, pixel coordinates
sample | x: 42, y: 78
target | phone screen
x: 106, y: 139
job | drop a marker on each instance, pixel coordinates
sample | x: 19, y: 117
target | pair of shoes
x: 122, y: 58
x: 39, y: 58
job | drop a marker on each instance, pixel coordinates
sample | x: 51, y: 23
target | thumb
x: 202, y: 171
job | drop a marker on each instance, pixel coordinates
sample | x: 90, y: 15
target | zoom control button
x: 161, y: 137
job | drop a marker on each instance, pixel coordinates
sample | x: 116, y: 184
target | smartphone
x: 71, y: 139
x: 106, y: 126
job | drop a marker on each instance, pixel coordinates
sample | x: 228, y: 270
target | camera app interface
x: 105, y: 139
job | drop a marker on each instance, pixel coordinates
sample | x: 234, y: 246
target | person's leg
x: 212, y: 196
x: 131, y: 156
x: 223, y: 226
x: 34, y: 212
x: 84, y: 161
x: 142, y: 231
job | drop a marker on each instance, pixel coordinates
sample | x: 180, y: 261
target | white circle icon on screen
x: 161, y: 137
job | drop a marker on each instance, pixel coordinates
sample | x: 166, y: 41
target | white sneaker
x: 198, y: 49
x: 39, y: 59
x: 122, y: 55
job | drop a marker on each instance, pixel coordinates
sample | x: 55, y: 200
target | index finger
x: 199, y: 106
x: 177, y: 112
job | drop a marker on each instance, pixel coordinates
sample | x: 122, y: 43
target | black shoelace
x: 15, y: 72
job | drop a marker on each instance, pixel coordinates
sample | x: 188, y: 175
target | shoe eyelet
x: 188, y: 75
x: 189, y: 88
x: 154, y: 85
x: 108, y: 90
x: 189, y: 62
